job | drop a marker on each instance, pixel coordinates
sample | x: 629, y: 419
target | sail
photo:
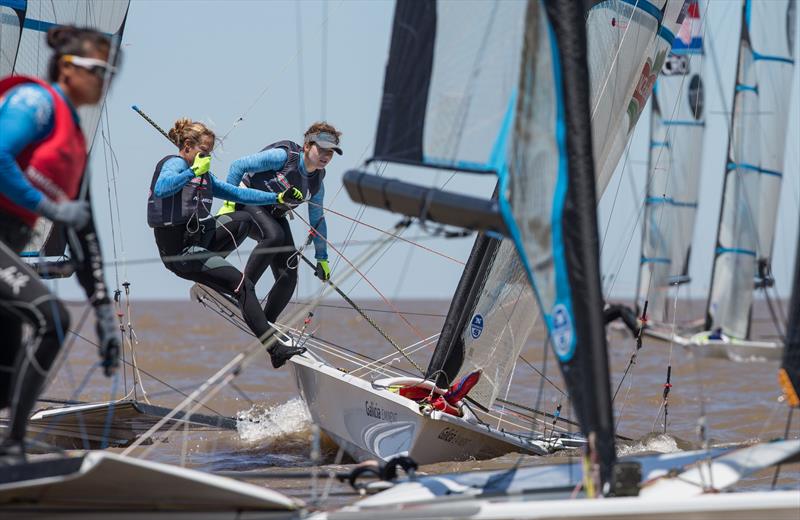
x: 550, y: 185
x: 789, y: 373
x: 754, y: 165
x: 12, y: 16
x: 677, y: 127
x: 494, y: 322
x: 32, y: 56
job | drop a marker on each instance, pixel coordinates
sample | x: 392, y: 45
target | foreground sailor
x: 191, y: 242
x: 298, y: 171
x: 42, y: 160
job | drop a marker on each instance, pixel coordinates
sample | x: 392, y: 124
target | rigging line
x: 366, y: 317
x: 114, y: 175
x: 382, y: 361
x: 356, y: 221
x: 324, y: 53
x: 414, y: 329
x: 616, y: 196
x: 408, y: 313
x: 110, y: 209
x: 148, y: 374
x: 235, y: 365
x: 268, y: 86
x: 377, y: 260
x: 785, y: 436
x: 301, y: 84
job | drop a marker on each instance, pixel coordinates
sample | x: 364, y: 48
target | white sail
x: 677, y: 127
x: 628, y: 42
x: 754, y: 165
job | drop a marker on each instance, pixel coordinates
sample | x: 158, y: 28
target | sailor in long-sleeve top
x: 286, y: 167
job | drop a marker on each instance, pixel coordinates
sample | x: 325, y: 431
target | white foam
x: 659, y: 443
x: 269, y: 424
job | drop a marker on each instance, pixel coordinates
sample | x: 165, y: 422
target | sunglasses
x: 97, y: 67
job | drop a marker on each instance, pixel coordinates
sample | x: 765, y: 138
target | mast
x: 789, y: 373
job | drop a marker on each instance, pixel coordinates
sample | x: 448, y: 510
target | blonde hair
x: 322, y: 126
x: 185, y: 131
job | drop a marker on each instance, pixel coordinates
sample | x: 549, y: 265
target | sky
x: 258, y: 72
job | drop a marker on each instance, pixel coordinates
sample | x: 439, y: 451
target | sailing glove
x: 290, y: 195
x: 108, y: 336
x: 323, y: 270
x: 201, y: 164
x: 227, y: 207
x: 73, y: 213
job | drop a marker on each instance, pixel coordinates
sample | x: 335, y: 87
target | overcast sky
x: 219, y: 61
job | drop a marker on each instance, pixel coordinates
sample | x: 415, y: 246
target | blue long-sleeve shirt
x: 175, y: 173
x: 26, y: 117
x: 272, y: 160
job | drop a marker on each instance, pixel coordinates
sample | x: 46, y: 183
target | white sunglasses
x: 97, y: 67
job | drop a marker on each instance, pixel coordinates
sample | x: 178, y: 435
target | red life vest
x: 54, y: 165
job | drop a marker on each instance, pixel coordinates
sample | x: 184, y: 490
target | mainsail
x: 677, y: 127
x: 27, y: 22
x: 754, y: 166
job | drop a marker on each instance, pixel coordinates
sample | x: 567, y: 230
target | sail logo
x: 644, y: 87
x: 476, y: 326
x: 676, y: 65
x: 561, y: 332
x: 14, y: 279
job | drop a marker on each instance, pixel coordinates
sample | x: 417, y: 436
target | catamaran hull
x: 371, y: 422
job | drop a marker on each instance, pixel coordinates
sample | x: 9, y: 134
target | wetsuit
x: 192, y: 244
x: 28, y: 115
x: 273, y: 170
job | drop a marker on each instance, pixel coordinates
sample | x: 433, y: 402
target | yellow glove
x: 227, y: 207
x: 201, y: 164
x: 323, y: 270
x: 290, y: 195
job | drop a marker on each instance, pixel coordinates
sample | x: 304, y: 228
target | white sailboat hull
x: 370, y: 422
x: 730, y: 348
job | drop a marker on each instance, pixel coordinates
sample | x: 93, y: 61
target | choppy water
x: 182, y: 344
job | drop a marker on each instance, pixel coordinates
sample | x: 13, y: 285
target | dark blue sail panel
x: 551, y: 210
x: 424, y: 203
x: 407, y: 80
x: 450, y: 83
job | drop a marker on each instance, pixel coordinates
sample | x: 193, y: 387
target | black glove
x: 108, y: 337
x: 291, y: 194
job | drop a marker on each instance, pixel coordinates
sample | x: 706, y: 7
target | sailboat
x: 23, y: 24
x: 677, y: 128
x: 448, y: 115
x: 681, y: 485
x: 752, y: 181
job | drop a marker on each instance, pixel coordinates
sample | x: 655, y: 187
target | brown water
x: 183, y: 343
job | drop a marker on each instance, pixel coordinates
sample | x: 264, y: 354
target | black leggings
x: 271, y: 232
x: 25, y: 299
x: 191, y: 257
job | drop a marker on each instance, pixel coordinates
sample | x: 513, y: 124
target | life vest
x: 53, y: 165
x: 192, y: 202
x: 277, y: 181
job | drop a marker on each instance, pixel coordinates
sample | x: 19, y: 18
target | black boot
x: 280, y: 354
x: 12, y: 452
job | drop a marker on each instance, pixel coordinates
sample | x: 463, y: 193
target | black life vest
x: 277, y: 181
x: 193, y: 201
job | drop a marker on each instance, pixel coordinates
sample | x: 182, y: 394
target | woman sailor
x: 42, y: 159
x: 279, y: 167
x: 191, y: 242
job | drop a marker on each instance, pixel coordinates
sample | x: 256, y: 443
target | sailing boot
x: 279, y: 354
x: 12, y: 452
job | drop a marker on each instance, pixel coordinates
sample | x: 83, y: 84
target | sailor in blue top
x: 298, y: 171
x: 191, y: 242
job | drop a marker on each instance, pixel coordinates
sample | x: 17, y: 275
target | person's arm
x: 223, y: 190
x: 174, y: 175
x: 88, y: 258
x: 316, y: 218
x: 272, y: 159
x: 26, y: 116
